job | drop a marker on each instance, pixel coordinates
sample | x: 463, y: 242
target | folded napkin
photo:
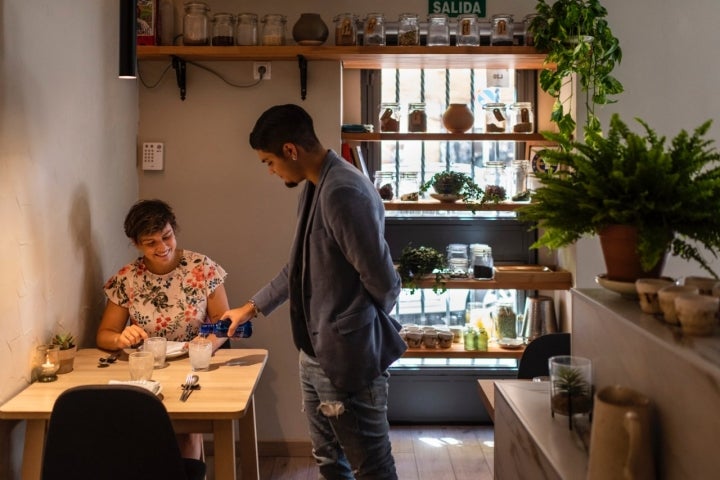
x: 151, y: 385
x: 175, y: 347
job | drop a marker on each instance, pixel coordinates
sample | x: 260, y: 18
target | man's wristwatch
x: 256, y: 310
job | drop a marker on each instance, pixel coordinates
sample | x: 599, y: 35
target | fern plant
x: 670, y: 193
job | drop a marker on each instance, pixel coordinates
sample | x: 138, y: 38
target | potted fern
x: 665, y: 197
x: 578, y: 41
x: 68, y: 349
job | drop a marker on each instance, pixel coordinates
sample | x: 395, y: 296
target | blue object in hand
x: 221, y: 329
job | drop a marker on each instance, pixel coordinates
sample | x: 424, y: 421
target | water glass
x: 200, y: 351
x: 158, y: 347
x: 141, y: 365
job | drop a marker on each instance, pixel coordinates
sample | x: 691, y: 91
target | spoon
x: 190, y: 384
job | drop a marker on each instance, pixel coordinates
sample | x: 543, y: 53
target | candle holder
x: 47, y: 362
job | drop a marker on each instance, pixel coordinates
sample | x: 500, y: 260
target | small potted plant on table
x: 68, y: 349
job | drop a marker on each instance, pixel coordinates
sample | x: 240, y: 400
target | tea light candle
x: 48, y: 368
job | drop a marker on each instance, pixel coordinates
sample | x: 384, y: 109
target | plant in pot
x: 578, y: 41
x: 416, y: 262
x: 665, y: 198
x: 571, y: 393
x: 68, y: 349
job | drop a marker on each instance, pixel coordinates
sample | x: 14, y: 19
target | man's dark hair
x: 147, y: 217
x: 283, y: 124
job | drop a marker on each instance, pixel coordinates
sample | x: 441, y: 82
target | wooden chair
x: 113, y: 432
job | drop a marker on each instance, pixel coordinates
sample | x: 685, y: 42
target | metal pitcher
x: 539, y: 317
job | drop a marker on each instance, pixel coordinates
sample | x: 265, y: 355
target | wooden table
x: 226, y: 397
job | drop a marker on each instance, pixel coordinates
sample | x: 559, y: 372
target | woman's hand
x: 238, y: 316
x: 131, y: 335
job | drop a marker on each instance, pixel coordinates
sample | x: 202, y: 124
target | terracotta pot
x: 310, y: 30
x: 619, y: 247
x: 458, y: 118
x: 67, y: 359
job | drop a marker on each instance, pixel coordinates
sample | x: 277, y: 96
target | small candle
x: 48, y: 367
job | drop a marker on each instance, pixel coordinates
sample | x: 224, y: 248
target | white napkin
x: 175, y: 347
x: 151, y: 385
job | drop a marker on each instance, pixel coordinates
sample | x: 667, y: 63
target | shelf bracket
x: 302, y: 63
x: 180, y: 69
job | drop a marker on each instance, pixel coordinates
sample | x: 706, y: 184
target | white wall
x: 67, y: 175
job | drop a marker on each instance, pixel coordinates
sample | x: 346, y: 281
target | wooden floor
x: 421, y: 453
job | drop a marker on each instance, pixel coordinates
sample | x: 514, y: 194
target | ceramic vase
x: 458, y: 118
x: 619, y: 247
x: 310, y: 29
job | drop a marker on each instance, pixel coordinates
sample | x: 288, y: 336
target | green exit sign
x: 453, y: 8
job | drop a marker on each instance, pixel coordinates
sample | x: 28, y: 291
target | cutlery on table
x: 191, y: 383
x: 106, y: 361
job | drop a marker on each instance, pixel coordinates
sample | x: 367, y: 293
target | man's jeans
x: 347, y: 428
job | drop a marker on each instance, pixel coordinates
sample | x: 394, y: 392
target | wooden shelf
x: 437, y: 206
x: 457, y: 350
x: 441, y: 136
x: 361, y: 57
x: 556, y: 279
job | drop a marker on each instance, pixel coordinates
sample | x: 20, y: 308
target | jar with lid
x: 494, y: 179
x: 457, y: 259
x: 528, y: 36
x: 468, y: 30
x: 521, y: 117
x: 346, y: 29
x: 481, y: 260
x: 389, y: 117
x: 519, y: 177
x: 374, y: 29
x: 385, y: 184
x: 246, y: 29
x: 223, y: 30
x: 196, y: 30
x: 408, y: 30
x: 494, y: 117
x: 273, y: 30
x: 501, y: 29
x: 438, y: 30
x: 417, y: 117
x: 505, y: 320
x: 409, y: 186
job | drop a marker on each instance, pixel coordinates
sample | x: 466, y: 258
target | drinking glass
x: 571, y: 389
x: 158, y: 347
x: 200, y: 351
x: 141, y: 365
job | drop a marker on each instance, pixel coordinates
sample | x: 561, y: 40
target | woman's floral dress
x: 173, y: 305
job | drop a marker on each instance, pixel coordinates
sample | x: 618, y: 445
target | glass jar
x: 494, y: 117
x: 501, y: 29
x: 246, y: 29
x: 518, y: 178
x: 481, y: 261
x: 223, y: 30
x: 494, y: 179
x: 470, y: 338
x: 409, y: 186
x: 468, y: 30
x: 389, y: 117
x: 346, y: 29
x: 505, y: 321
x: 457, y: 259
x: 528, y: 37
x: 385, y: 184
x: 196, y: 30
x: 438, y: 30
x: 417, y: 117
x: 374, y: 29
x: 521, y: 117
x: 408, y: 30
x: 273, y: 30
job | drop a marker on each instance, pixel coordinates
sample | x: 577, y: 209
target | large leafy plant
x: 578, y: 41
x: 670, y: 193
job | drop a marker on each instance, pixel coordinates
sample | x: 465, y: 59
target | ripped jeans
x: 349, y: 431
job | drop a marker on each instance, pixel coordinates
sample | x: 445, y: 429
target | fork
x: 190, y: 384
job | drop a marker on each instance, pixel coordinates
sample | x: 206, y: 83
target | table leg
x: 34, y: 443
x: 224, y: 440
x: 249, y: 464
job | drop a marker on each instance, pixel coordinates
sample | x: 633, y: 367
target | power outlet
x: 256, y: 70
x: 153, y: 156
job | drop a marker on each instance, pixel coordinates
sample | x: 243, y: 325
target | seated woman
x: 167, y: 292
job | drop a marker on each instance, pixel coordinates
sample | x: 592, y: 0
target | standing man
x: 341, y: 284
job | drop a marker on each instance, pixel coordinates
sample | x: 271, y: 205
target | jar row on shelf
x: 200, y: 27
x: 516, y: 117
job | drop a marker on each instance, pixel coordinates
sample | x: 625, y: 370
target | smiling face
x: 159, y: 250
x: 286, y: 167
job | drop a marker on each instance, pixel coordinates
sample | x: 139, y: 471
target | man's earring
x: 294, y: 158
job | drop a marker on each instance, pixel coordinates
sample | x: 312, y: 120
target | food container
x: 273, y: 29
x: 385, y: 184
x: 495, y: 121
x: 346, y: 29
x: 417, y: 117
x: 223, y: 29
x: 521, y: 117
x: 408, y: 30
x: 501, y: 29
x: 246, y: 29
x: 468, y: 30
x: 438, y: 30
x: 196, y: 25
x: 374, y: 29
x: 389, y: 117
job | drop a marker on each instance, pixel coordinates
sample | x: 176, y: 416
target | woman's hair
x: 283, y: 124
x: 147, y: 217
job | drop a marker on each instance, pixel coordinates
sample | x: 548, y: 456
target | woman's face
x: 159, y: 249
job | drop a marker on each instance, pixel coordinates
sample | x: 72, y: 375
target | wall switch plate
x: 153, y: 155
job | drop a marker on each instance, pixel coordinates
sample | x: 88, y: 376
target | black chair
x: 534, y: 361
x: 113, y: 432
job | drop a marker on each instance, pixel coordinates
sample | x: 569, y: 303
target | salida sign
x: 453, y: 8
